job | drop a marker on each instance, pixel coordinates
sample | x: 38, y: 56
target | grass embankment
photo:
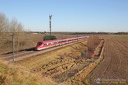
x: 14, y: 75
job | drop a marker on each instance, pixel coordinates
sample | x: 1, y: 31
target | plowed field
x: 113, y: 70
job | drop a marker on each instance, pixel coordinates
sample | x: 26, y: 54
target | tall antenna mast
x: 50, y: 16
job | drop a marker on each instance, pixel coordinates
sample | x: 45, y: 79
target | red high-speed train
x: 51, y: 43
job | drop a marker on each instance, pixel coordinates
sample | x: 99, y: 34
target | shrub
x: 93, y: 42
x: 48, y: 37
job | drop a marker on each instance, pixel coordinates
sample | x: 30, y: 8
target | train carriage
x: 51, y: 43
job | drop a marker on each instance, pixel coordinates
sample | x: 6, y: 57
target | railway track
x: 29, y: 53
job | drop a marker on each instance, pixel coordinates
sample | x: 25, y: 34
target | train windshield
x: 39, y: 43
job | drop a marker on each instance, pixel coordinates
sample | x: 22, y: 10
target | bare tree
x: 3, y: 24
x: 13, y: 25
x: 7, y: 27
x: 92, y: 43
x: 19, y: 31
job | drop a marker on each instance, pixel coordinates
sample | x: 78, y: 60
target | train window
x: 39, y: 43
x: 49, y: 43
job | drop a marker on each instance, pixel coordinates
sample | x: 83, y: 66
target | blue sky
x: 69, y: 15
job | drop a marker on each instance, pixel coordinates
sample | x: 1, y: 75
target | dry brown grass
x: 14, y: 75
x: 79, y: 77
x: 98, y: 49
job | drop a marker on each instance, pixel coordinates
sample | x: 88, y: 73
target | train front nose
x: 38, y: 46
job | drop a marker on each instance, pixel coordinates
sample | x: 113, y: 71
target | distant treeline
x: 121, y: 33
x: 77, y: 33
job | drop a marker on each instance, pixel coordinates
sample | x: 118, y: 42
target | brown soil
x: 114, y: 65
